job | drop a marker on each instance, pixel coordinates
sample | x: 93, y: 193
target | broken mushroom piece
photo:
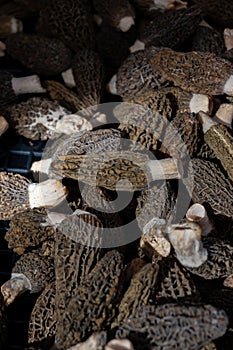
x: 209, y: 74
x: 9, y: 24
x: 224, y: 115
x: 18, y: 194
x: 197, y: 213
x: 119, y: 14
x: 10, y: 87
x: 186, y: 240
x: 3, y: 125
x: 46, y: 56
x: 31, y: 273
x: 220, y: 140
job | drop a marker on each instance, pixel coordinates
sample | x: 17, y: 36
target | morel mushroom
x: 89, y: 308
x: 88, y: 75
x: 31, y: 273
x: 41, y: 55
x: 135, y: 75
x: 10, y: 87
x: 118, y: 14
x: 198, y: 72
x: 18, y: 194
x: 29, y: 229
x: 41, y: 119
x: 203, y: 324
x: 208, y: 39
x: 182, y: 25
x: 70, y: 21
x: 42, y: 324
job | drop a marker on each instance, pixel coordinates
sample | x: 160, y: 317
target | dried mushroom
x: 40, y: 54
x: 28, y: 230
x: 162, y: 327
x: 31, y: 273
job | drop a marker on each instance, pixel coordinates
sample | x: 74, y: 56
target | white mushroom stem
x: 27, y: 85
x: 68, y: 78
x: 42, y: 166
x: 186, y: 240
x: 3, y: 125
x: 228, y: 38
x: 54, y: 219
x: 15, y: 25
x: 224, y: 114
x: 72, y: 123
x: 14, y: 287
x: 46, y: 194
x: 119, y: 344
x: 207, y: 122
x: 111, y: 87
x: 228, y: 87
x: 197, y: 213
x: 163, y: 169
x: 92, y: 342
x: 126, y: 23
x: 2, y: 49
x: 137, y: 46
x: 200, y: 102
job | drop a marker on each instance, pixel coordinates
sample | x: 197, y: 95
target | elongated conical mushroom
x: 118, y: 14
x: 198, y: 72
x: 29, y: 229
x: 135, y: 75
x: 85, y: 142
x: 40, y: 54
x: 42, y: 324
x: 70, y: 21
x: 9, y: 25
x: 19, y: 193
x: 88, y: 75
x: 220, y: 140
x: 10, y: 87
x: 90, y: 307
x: 138, y: 293
x: 41, y: 119
x: 183, y: 23
x: 31, y: 273
x: 202, y: 324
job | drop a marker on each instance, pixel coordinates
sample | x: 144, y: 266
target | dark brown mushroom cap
x: 70, y: 21
x: 182, y: 25
x: 40, y: 54
x: 7, y: 94
x: 38, y: 269
x: 89, y: 76
x: 42, y: 325
x: 3, y: 324
x: 202, y: 324
x: 28, y: 230
x: 207, y: 39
